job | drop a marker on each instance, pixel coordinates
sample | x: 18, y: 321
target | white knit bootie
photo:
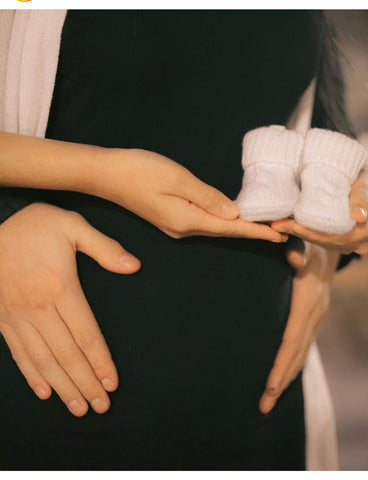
x: 330, y: 163
x: 270, y: 160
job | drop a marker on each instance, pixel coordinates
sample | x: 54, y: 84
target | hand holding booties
x: 326, y: 162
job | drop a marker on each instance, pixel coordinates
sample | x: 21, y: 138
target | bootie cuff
x: 273, y: 144
x: 335, y: 150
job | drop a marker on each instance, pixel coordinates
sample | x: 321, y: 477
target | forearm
x: 33, y: 162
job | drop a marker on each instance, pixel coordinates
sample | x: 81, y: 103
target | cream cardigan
x: 29, y: 51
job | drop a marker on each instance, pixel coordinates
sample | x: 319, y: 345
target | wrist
x: 111, y: 175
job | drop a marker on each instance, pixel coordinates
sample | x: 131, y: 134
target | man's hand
x: 44, y: 316
x: 310, y: 298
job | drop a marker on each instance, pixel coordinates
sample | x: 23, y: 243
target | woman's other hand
x: 44, y: 316
x: 314, y: 267
x: 354, y: 241
x: 170, y: 197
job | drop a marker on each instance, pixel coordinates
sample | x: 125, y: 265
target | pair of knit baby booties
x: 308, y: 177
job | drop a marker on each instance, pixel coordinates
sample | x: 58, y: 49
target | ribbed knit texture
x: 273, y: 144
x: 270, y: 159
x: 335, y: 150
x: 330, y: 163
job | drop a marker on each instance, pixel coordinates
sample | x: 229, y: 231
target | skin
x: 44, y: 315
x: 40, y: 238
x: 354, y: 241
x: 315, y: 268
x: 314, y: 259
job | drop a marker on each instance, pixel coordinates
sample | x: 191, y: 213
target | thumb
x: 209, y: 198
x: 106, y: 251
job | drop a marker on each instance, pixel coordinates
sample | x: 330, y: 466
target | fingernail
x: 230, y: 210
x: 363, y: 211
x: 99, y: 405
x: 76, y: 407
x: 108, y: 384
x: 269, y: 405
x: 284, y: 238
x: 40, y: 391
x: 127, y: 260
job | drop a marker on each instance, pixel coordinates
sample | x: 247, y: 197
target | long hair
x: 329, y: 107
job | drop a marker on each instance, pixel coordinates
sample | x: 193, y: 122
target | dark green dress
x: 195, y: 332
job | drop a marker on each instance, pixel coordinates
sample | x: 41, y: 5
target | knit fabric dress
x: 195, y: 332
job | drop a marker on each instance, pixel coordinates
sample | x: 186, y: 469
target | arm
x: 314, y: 269
x: 150, y: 185
x: 38, y: 246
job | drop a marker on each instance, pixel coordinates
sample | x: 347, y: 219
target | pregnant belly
x: 201, y: 320
x: 193, y: 335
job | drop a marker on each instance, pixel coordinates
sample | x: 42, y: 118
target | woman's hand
x: 171, y: 198
x: 44, y: 315
x: 310, y: 298
x: 146, y: 183
x: 354, y: 241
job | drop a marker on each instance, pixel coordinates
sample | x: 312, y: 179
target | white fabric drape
x: 30, y: 70
x: 29, y: 51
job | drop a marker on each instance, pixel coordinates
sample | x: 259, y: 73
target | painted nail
x: 108, y: 384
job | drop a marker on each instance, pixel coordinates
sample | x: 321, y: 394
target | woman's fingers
x: 78, y: 316
x: 358, y: 199
x: 359, y: 202
x: 208, y: 198
x: 327, y: 240
x: 297, y: 253
x: 42, y: 358
x: 239, y: 229
x: 301, y: 319
x: 33, y: 377
x: 193, y: 220
x: 286, y: 359
x: 71, y: 359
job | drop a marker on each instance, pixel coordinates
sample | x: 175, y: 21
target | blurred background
x: 343, y: 338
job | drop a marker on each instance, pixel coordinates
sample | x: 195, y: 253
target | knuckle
x: 64, y: 353
x: 86, y: 340
x: 41, y: 360
x: 75, y: 216
x: 179, y: 228
x: 29, y: 299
